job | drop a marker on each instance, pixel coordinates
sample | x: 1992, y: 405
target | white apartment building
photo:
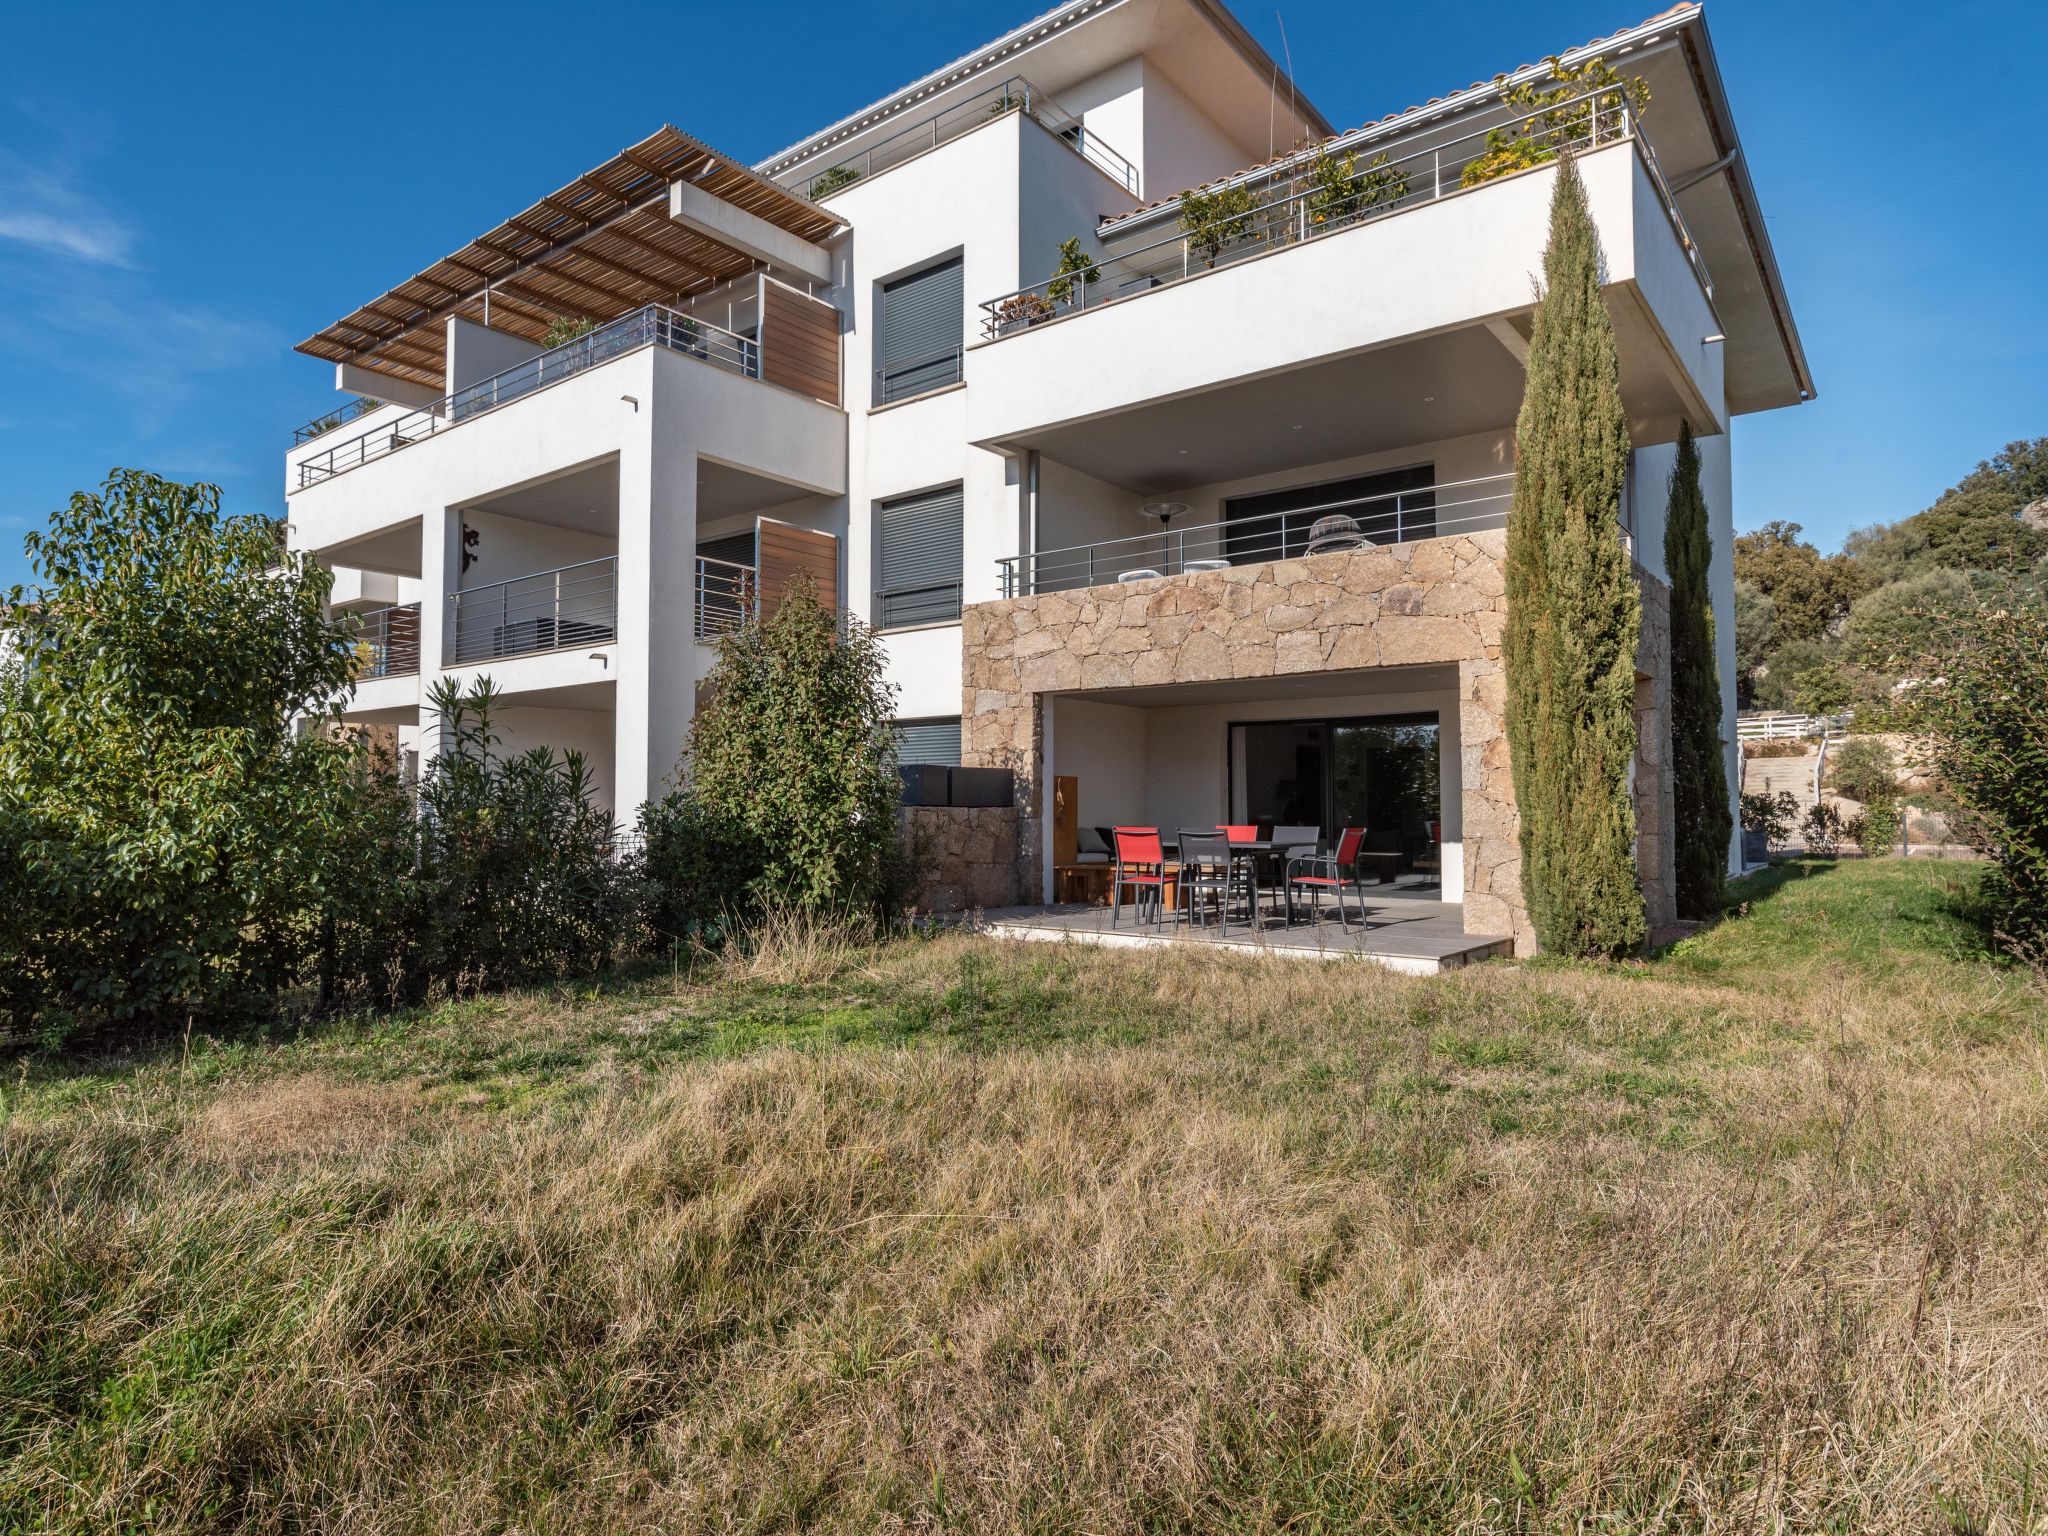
x: 1088, y: 513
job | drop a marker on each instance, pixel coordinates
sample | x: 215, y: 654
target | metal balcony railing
x: 654, y: 326
x: 547, y: 611
x: 386, y: 642
x: 1015, y: 94
x: 725, y: 596
x: 334, y: 420
x: 1288, y: 206
x: 1456, y: 506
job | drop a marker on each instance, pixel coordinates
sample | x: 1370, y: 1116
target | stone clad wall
x: 1428, y: 602
x: 1431, y: 602
x: 972, y: 852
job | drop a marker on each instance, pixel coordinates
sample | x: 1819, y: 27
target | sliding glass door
x: 1377, y: 772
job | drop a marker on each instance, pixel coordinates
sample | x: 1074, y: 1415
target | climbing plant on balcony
x: 1560, y: 116
x: 1574, y: 613
x: 1340, y: 188
x: 1214, y: 220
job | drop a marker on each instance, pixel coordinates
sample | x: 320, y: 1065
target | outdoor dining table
x: 1249, y: 852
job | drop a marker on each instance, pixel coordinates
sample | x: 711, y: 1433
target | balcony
x: 1290, y: 206
x: 1438, y: 511
x: 727, y: 596
x: 653, y: 326
x: 386, y: 642
x: 1015, y: 94
x: 574, y: 606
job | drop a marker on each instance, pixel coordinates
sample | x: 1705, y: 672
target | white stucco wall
x: 1460, y: 260
x: 1105, y: 748
x: 520, y: 728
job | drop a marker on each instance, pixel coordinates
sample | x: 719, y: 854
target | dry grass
x: 948, y: 1235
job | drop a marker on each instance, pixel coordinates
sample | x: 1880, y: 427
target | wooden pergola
x: 601, y: 247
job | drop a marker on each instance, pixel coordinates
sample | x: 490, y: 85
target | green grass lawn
x: 952, y: 1234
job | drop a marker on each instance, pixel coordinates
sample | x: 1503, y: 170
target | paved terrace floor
x: 1408, y: 929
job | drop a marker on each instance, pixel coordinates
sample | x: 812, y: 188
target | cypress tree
x: 1699, y: 775
x: 1574, y: 613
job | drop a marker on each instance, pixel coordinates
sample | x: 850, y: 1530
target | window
x: 917, y: 338
x: 918, y: 572
x: 928, y: 741
x: 1377, y: 772
x: 1391, y: 507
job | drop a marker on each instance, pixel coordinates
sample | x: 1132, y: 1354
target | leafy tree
x: 1810, y: 593
x: 1977, y: 525
x: 1756, y: 632
x: 1777, y: 683
x: 793, y: 752
x: 171, y: 803
x: 1699, y: 772
x: 1989, y: 714
x: 1574, y: 611
x: 1891, y: 628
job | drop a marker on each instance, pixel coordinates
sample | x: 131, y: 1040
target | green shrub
x: 1773, y: 815
x: 1876, y: 830
x: 1864, y: 769
x: 1823, y: 829
x: 792, y: 754
x: 505, y: 872
x: 1989, y: 714
x: 701, y: 870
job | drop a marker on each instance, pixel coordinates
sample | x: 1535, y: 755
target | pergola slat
x: 597, y: 248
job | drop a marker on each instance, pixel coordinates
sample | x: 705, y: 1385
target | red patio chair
x: 1141, y: 865
x: 1338, y: 872
x: 1240, y: 834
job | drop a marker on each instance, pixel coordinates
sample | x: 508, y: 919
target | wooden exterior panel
x: 783, y: 552
x: 799, y: 342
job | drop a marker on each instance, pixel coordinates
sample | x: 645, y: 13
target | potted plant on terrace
x: 1583, y: 107
x: 1340, y: 189
x: 1214, y: 220
x: 1076, y: 271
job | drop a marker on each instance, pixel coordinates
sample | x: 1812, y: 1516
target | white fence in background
x: 1788, y: 727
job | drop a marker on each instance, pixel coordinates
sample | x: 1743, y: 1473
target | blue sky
x: 186, y: 191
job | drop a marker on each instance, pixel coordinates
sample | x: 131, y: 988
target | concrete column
x: 440, y: 575
x: 656, y: 688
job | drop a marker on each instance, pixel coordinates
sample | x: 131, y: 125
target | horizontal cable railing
x: 386, y: 642
x: 1397, y: 517
x: 656, y: 325
x: 547, y: 611
x: 725, y: 596
x: 1014, y: 95
x: 1289, y: 206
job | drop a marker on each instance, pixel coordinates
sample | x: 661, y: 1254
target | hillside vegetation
x: 952, y: 1235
